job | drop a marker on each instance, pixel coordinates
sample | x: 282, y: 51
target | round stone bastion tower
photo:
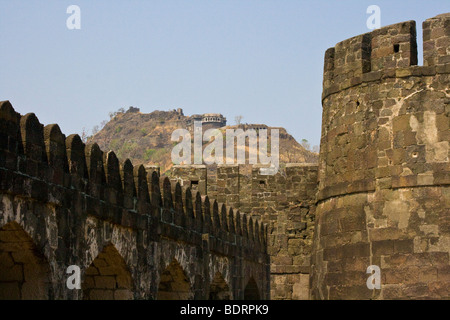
x: 384, y: 170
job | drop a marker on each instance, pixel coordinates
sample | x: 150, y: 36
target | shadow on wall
x: 24, y: 271
x: 174, y: 284
x: 108, y: 277
x: 251, y: 290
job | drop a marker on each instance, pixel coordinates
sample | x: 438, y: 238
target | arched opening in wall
x: 174, y: 284
x: 251, y: 290
x: 219, y: 289
x: 24, y: 271
x: 108, y: 277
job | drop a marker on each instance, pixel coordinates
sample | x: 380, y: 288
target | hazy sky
x: 262, y: 59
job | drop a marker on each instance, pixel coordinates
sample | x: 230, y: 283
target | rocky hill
x: 145, y: 138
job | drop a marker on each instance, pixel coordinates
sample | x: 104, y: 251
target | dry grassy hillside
x: 145, y: 138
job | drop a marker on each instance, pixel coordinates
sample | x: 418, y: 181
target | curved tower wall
x: 384, y: 170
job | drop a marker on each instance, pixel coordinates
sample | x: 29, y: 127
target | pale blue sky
x: 262, y: 59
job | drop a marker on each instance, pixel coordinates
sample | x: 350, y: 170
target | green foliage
x: 114, y: 144
x: 148, y: 154
x: 155, y: 155
x: 118, y: 129
x: 144, y: 132
x: 169, y: 174
x: 123, y: 149
x: 126, y: 149
x: 113, y: 114
x: 305, y: 144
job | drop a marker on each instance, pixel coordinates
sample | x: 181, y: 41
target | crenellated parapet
x: 377, y: 104
x: 42, y: 164
x: 45, y: 156
x: 285, y: 201
x: 384, y: 165
x: 386, y: 53
x: 436, y: 40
